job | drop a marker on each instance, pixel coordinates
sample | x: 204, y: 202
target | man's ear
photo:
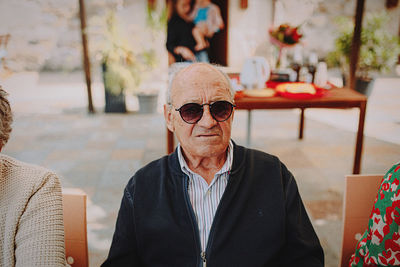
x: 168, y: 117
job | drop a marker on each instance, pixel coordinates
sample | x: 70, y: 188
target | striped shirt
x: 203, y: 197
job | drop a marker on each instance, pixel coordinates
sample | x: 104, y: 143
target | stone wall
x: 46, y: 33
x: 43, y: 33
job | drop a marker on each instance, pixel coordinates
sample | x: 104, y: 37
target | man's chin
x: 211, y: 148
x: 209, y: 141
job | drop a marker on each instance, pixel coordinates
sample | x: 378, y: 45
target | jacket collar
x: 238, y: 160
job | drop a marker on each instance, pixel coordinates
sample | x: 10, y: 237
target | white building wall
x: 248, y: 29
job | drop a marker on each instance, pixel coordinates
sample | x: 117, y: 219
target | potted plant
x: 378, y: 51
x: 156, y: 29
x: 124, y: 64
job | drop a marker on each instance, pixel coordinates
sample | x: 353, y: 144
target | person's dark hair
x: 6, y: 118
x: 172, y: 7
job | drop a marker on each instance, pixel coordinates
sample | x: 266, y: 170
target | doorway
x: 218, y: 51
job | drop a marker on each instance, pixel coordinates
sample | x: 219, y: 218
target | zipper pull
x: 203, y: 256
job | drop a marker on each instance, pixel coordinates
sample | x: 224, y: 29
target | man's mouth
x: 207, y: 135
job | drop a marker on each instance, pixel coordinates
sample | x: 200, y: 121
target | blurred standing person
x: 31, y: 214
x: 180, y: 41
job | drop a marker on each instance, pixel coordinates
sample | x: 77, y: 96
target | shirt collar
x: 225, y: 168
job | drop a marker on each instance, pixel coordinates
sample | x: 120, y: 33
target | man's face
x: 201, y: 84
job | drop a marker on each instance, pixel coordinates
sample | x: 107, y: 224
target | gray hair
x: 175, y: 68
x: 6, y: 118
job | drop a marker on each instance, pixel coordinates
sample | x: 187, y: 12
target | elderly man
x: 211, y: 202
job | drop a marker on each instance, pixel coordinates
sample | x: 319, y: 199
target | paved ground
x: 100, y: 152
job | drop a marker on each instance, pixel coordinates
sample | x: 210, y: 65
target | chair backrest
x: 74, y: 207
x: 359, y: 196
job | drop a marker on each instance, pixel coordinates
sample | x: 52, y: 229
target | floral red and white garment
x: 380, y: 244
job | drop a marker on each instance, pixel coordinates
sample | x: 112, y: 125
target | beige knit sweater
x: 31, y: 218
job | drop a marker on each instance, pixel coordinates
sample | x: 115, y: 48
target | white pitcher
x: 255, y: 73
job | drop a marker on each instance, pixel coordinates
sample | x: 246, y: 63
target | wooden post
x: 301, y: 126
x: 243, y: 4
x: 391, y: 3
x: 360, y: 138
x: 86, y: 62
x: 151, y: 4
x: 398, y: 59
x: 356, y: 42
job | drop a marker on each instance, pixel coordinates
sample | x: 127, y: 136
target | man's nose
x: 207, y: 120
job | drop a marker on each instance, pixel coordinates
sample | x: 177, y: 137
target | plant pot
x: 114, y: 102
x: 147, y: 103
x: 364, y: 86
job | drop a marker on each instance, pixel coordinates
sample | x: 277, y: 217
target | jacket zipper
x: 203, y: 260
x: 211, y: 234
x: 203, y: 256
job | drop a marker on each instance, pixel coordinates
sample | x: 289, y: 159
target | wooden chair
x: 359, y: 197
x: 74, y: 208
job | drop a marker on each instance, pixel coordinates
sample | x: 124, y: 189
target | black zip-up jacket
x: 260, y: 220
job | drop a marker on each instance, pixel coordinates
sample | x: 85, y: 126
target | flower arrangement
x: 285, y: 35
x: 282, y: 37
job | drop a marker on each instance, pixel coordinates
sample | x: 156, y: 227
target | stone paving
x: 100, y: 152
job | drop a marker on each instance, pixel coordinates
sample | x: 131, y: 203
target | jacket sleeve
x: 123, y: 251
x: 39, y: 240
x: 302, y: 245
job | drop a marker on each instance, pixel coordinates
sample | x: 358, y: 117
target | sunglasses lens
x: 221, y: 110
x: 191, y: 113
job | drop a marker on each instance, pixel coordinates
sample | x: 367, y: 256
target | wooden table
x: 337, y: 98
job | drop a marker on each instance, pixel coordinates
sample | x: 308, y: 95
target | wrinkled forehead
x: 200, y: 76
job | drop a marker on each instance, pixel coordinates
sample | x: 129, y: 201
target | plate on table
x: 299, y: 90
x: 260, y: 92
x: 256, y: 93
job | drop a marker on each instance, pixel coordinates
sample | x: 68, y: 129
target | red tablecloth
x: 320, y: 92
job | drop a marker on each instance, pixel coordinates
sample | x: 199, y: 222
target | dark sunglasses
x: 193, y: 112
